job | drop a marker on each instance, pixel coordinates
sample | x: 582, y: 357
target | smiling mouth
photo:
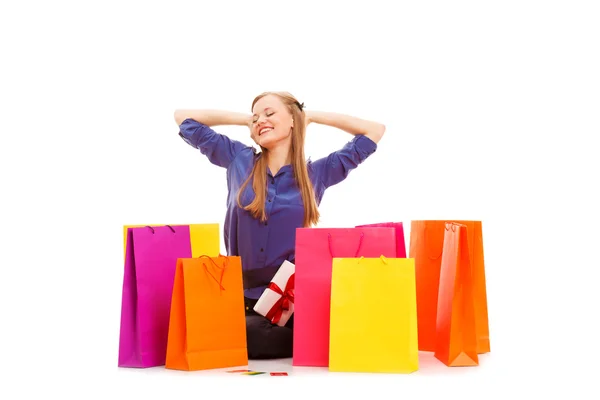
x: 264, y: 130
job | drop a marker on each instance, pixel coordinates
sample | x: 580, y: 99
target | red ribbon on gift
x: 283, y: 304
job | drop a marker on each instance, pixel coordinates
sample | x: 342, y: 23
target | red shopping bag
x: 315, y: 250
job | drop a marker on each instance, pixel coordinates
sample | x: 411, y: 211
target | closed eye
x: 255, y: 119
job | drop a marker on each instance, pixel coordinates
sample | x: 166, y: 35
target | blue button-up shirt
x: 263, y: 246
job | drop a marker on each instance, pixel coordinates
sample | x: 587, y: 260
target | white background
x: 492, y: 113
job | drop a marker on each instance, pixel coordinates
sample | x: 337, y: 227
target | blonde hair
x: 259, y: 171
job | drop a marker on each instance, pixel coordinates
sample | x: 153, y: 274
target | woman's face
x: 272, y: 122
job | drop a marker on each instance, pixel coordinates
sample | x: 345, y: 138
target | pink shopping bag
x: 150, y: 259
x: 400, y: 241
x: 315, y: 250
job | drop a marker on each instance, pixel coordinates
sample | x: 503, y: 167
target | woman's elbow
x: 179, y: 116
x: 376, y: 133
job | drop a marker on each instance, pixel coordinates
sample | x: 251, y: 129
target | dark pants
x: 265, y: 340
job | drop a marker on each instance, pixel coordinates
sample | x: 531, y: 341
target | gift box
x: 277, y: 301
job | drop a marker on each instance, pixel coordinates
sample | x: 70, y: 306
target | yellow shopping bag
x: 373, y: 326
x: 204, y: 237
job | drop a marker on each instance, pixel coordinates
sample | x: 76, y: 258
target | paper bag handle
x: 362, y: 235
x: 381, y: 257
x: 219, y: 281
x: 169, y: 226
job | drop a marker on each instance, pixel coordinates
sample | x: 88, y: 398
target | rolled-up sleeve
x: 334, y: 168
x: 219, y: 149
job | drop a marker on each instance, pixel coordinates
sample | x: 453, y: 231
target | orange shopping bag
x: 456, y: 341
x: 426, y: 245
x: 207, y: 327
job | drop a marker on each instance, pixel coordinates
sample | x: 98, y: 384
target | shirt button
x: 261, y: 249
x: 270, y: 200
x: 266, y: 223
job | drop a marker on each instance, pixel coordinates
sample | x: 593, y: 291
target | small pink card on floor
x: 279, y: 374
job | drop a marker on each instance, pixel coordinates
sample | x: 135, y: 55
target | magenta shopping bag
x: 315, y: 250
x: 150, y: 259
x: 400, y: 241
